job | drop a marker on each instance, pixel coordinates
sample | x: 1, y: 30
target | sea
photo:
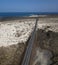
x: 20, y: 14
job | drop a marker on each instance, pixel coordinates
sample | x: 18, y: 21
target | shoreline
x: 6, y: 18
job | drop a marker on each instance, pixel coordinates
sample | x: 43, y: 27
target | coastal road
x: 26, y: 58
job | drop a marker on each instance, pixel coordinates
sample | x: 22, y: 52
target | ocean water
x: 9, y: 14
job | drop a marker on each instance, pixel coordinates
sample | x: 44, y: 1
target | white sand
x: 14, y: 32
x: 48, y: 25
x: 18, y: 31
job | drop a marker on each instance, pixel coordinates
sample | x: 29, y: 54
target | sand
x: 14, y: 32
